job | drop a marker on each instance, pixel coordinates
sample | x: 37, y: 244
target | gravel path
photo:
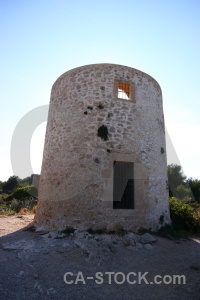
x: 33, y: 265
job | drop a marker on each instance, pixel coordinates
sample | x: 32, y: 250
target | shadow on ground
x: 33, y: 265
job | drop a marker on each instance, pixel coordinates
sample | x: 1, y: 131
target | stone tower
x: 104, y: 162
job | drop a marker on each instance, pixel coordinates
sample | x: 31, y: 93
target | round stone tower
x: 104, y: 162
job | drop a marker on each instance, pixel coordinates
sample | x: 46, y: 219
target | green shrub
x: 4, y: 210
x: 26, y: 192
x: 183, y: 192
x: 184, y: 216
x: 195, y: 187
x: 29, y: 204
x: 168, y: 231
x: 10, y: 185
x: 8, y: 198
x: 8, y: 213
x: 15, y: 205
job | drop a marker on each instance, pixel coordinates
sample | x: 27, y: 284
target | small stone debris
x: 21, y: 274
x: 54, y: 235
x: 148, y: 247
x: 139, y: 245
x: 147, y: 238
x: 19, y: 245
x: 51, y: 291
x: 100, y: 247
x: 133, y: 236
x: 39, y: 229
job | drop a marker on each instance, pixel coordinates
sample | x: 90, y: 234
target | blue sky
x: 40, y: 40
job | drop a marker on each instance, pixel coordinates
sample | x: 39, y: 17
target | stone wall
x: 76, y: 183
x: 35, y: 178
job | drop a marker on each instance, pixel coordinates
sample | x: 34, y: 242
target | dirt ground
x: 33, y: 265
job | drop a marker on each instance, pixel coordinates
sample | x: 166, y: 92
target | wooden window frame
x: 132, y: 97
x: 124, y: 91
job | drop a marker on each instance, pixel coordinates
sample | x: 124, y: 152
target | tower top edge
x: 107, y: 65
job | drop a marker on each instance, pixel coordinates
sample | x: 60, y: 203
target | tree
x: 183, y: 192
x: 25, y: 192
x: 175, y: 178
x: 195, y: 187
x: 10, y: 185
x: 25, y: 181
x: 1, y: 184
x: 181, y: 187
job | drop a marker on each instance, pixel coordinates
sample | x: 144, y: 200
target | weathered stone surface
x: 147, y: 238
x: 148, y: 247
x: 139, y: 245
x: 133, y: 236
x: 19, y: 245
x: 54, y: 235
x: 39, y: 229
x: 75, y: 190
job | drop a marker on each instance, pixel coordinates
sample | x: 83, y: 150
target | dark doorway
x: 123, y: 185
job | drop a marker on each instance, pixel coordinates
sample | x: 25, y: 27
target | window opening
x: 124, y: 90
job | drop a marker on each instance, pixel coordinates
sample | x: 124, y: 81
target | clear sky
x: 41, y: 39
